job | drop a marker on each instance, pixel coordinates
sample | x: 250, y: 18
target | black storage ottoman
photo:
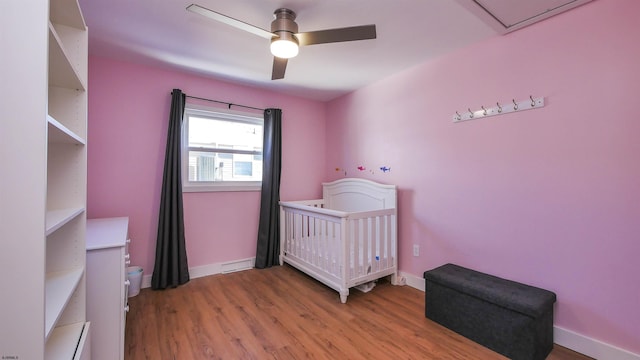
x: 513, y: 319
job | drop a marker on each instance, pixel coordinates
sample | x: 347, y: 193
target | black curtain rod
x: 223, y: 102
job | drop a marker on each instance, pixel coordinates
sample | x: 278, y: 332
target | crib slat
x: 356, y: 247
x: 366, y: 258
x: 314, y: 242
x: 387, y: 241
x: 329, y: 248
x: 309, y: 240
x: 325, y: 246
x: 344, y: 254
x: 383, y: 244
x: 389, y: 245
x: 292, y: 235
x: 321, y: 243
x: 321, y: 239
x: 299, y: 235
x: 303, y: 236
x: 375, y: 244
x: 287, y: 231
x: 336, y: 248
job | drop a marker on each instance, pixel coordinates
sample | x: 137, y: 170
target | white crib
x: 346, y: 239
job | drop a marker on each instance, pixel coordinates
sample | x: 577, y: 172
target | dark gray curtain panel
x: 268, y: 249
x: 171, y: 267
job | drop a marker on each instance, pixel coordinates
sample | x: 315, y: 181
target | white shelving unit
x: 43, y: 136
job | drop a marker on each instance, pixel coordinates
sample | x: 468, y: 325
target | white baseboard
x: 146, y: 281
x: 590, y: 347
x: 563, y: 337
x: 413, y: 281
x: 211, y: 269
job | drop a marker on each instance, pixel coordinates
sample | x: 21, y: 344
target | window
x: 221, y: 151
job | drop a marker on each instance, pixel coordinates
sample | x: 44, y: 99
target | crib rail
x: 341, y: 249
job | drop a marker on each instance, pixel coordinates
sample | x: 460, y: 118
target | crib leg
x: 281, y: 261
x: 343, y: 296
x: 397, y: 280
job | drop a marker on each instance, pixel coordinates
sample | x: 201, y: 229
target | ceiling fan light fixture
x: 284, y: 46
x: 285, y: 37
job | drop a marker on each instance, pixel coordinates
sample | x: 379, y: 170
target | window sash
x: 237, y: 184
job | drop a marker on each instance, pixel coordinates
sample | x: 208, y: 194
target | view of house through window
x: 221, y: 148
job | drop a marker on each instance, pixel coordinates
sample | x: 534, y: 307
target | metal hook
x: 515, y: 105
x: 470, y: 113
x: 499, y: 108
x: 459, y: 116
x: 485, y: 110
x: 533, y: 103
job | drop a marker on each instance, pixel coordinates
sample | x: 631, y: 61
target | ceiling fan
x: 285, y: 37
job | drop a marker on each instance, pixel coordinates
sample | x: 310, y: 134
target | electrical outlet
x: 416, y: 250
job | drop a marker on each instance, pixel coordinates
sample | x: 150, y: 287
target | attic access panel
x: 510, y: 15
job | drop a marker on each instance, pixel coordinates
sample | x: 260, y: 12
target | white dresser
x: 107, y: 285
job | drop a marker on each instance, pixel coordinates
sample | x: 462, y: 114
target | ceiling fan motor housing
x: 284, y: 25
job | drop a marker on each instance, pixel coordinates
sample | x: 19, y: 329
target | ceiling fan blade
x: 363, y: 32
x: 230, y: 21
x: 279, y: 66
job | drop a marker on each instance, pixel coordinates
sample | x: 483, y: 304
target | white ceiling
x: 409, y: 32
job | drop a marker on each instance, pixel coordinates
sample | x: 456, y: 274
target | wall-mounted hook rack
x: 505, y: 108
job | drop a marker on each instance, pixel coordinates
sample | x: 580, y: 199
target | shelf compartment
x: 69, y: 108
x: 74, y: 43
x: 59, y: 288
x: 67, y: 12
x: 66, y: 342
x: 66, y: 176
x: 59, y: 133
x: 55, y: 219
x: 61, y: 71
x: 63, y: 244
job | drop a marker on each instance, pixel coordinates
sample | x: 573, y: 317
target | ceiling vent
x: 508, y: 15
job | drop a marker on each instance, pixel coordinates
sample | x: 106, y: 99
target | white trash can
x: 134, y: 275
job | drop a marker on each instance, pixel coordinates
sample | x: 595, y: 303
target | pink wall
x: 128, y: 113
x: 549, y: 197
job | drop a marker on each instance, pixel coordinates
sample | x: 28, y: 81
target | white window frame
x: 211, y: 186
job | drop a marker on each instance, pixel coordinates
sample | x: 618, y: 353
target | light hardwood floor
x: 280, y: 313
